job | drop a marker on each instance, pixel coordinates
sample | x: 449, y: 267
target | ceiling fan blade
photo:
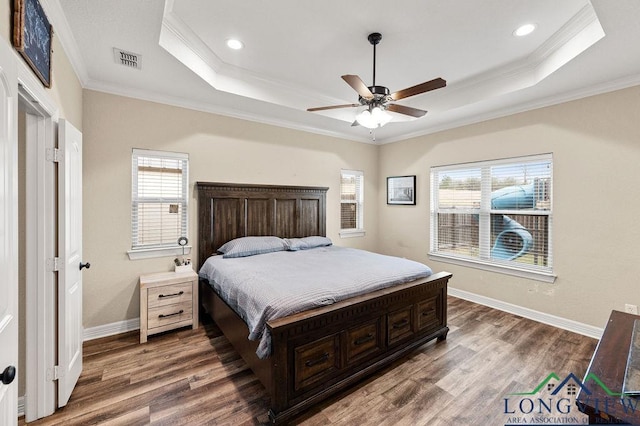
x: 436, y: 83
x: 401, y: 109
x: 358, y: 85
x: 333, y: 107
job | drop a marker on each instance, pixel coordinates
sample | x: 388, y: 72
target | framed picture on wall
x: 32, y: 35
x: 401, y: 190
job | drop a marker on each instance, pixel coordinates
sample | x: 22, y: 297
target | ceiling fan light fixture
x: 373, y: 119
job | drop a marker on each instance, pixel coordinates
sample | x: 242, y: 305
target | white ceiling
x: 295, y: 53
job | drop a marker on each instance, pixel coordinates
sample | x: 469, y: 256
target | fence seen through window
x: 496, y: 212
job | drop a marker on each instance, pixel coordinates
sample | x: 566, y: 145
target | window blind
x: 351, y: 199
x: 496, y: 212
x: 159, y: 198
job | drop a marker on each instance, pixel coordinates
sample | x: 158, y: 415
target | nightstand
x: 168, y: 300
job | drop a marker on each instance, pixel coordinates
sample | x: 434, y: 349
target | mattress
x: 274, y: 285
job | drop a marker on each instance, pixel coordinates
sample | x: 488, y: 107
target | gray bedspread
x: 273, y: 285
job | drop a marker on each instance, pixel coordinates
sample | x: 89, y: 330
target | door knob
x: 7, y: 376
x: 85, y: 265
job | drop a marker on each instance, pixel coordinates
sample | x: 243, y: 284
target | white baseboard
x: 20, y: 406
x: 565, y: 324
x: 111, y: 329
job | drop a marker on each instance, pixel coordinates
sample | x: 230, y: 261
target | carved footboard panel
x: 320, y: 352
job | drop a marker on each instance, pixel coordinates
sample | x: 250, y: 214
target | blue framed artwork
x: 32, y: 35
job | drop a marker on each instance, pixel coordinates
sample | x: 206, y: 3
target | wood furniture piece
x: 168, y: 300
x: 608, y: 364
x: 319, y: 352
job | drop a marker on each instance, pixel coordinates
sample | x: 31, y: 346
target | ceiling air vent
x: 128, y: 59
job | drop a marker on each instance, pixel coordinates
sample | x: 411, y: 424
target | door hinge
x: 53, y: 264
x: 55, y: 373
x: 54, y: 154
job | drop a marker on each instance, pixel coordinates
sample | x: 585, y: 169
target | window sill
x: 138, y: 254
x: 352, y: 233
x: 522, y: 273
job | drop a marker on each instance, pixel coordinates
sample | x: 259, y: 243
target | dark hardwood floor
x: 194, y: 377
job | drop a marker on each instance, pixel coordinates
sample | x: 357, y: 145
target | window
x: 494, y: 214
x: 158, y: 202
x: 351, y: 203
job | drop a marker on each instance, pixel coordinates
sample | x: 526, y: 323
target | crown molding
x: 610, y: 86
x: 585, y: 22
x: 150, y: 96
x: 582, y: 31
x: 180, y: 41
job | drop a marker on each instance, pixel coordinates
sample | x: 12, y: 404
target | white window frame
x: 358, y: 231
x: 170, y: 249
x: 484, y: 261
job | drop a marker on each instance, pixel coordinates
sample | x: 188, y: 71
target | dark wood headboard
x: 230, y: 210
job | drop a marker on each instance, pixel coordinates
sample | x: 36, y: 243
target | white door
x: 70, y: 328
x: 8, y: 237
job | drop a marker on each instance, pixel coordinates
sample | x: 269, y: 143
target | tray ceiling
x: 295, y: 52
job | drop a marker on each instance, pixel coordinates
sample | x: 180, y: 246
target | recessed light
x: 234, y: 44
x: 524, y: 30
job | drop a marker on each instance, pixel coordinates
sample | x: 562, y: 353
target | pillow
x: 249, y: 246
x: 317, y: 241
x: 294, y: 244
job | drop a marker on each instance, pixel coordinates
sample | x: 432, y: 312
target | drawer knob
x: 400, y: 324
x: 181, y: 311
x: 180, y: 293
x: 429, y: 312
x: 319, y: 360
x: 363, y: 339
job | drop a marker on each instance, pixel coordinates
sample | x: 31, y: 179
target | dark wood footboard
x: 318, y: 353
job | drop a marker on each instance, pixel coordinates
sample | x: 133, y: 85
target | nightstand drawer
x: 170, y: 314
x: 169, y: 295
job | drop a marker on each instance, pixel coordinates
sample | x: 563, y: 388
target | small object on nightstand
x: 168, y: 300
x: 182, y: 264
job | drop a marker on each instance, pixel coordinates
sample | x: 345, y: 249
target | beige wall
x: 596, y: 153
x: 5, y: 19
x: 66, y: 90
x: 220, y: 149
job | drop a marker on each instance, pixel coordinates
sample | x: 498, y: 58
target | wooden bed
x: 319, y: 352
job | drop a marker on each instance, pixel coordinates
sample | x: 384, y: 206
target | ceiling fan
x: 378, y: 99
